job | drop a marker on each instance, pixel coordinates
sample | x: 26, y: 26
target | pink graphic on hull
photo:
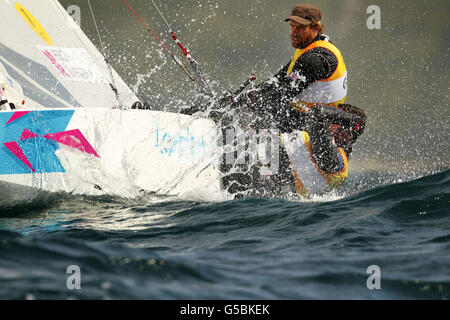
x: 17, y: 151
x: 16, y: 115
x: 27, y: 134
x: 73, y: 139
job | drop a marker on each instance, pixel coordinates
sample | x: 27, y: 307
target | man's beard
x: 297, y: 43
x: 301, y: 43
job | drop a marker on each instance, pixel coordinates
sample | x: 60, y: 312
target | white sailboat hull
x: 114, y: 152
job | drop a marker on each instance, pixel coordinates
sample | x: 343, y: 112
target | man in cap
x: 305, y: 101
x: 309, y: 92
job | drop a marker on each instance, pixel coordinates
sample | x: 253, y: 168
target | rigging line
x: 177, y: 41
x: 112, y: 84
x: 148, y: 28
x: 177, y: 61
x: 165, y: 21
x: 194, y: 65
x: 96, y: 28
x: 189, y: 74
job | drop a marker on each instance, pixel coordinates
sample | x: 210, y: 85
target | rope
x: 177, y: 61
x: 112, y: 84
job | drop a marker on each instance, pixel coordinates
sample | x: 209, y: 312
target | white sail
x: 69, y: 136
x: 57, y: 65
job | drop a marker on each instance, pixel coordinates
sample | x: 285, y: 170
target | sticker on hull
x: 29, y: 140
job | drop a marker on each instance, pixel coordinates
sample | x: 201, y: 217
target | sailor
x: 308, y: 94
x: 305, y: 100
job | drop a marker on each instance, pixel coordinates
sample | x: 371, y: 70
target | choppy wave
x: 240, y: 249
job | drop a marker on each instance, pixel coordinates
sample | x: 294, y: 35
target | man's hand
x: 225, y: 101
x: 190, y: 111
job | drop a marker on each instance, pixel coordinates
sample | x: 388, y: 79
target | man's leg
x: 324, y: 149
x: 323, y: 146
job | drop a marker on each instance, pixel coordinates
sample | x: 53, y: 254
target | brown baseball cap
x: 305, y: 14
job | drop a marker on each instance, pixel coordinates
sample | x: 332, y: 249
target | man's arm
x: 316, y: 64
x: 271, y: 99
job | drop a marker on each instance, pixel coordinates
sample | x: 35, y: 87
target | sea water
x: 390, y: 240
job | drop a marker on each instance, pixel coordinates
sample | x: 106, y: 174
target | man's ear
x: 315, y: 27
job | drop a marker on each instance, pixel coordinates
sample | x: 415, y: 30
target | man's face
x: 301, y: 35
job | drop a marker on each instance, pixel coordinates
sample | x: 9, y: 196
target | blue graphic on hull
x: 31, y: 152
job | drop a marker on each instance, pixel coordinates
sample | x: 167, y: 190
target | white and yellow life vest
x: 329, y: 91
